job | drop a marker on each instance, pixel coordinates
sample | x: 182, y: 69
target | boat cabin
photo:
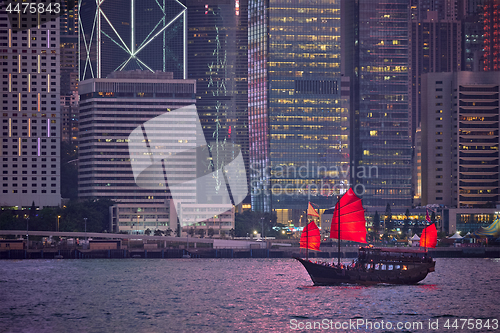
x: 393, y: 256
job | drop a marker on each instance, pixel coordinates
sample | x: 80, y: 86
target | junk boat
x: 373, y: 265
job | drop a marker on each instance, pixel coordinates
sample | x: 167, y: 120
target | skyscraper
x: 298, y: 107
x: 439, y: 139
x: 445, y: 9
x: 110, y: 109
x: 30, y: 112
x: 460, y: 127
x: 217, y: 60
x: 69, y: 18
x: 383, y: 131
x: 128, y: 35
x: 435, y: 46
x: 473, y: 37
x: 491, y: 20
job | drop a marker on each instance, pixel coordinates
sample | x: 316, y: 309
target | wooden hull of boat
x: 323, y: 275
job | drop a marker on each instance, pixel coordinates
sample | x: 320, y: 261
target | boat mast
x: 307, y: 237
x: 425, y: 239
x: 338, y: 212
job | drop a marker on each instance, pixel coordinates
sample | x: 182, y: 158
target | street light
x: 58, y: 217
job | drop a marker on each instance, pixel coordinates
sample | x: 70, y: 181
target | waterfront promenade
x: 143, y: 246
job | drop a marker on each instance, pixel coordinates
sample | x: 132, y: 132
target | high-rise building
x: 478, y: 139
x: 460, y: 139
x: 30, y: 112
x: 481, y: 35
x: 69, y: 87
x: 298, y: 106
x: 110, y: 109
x: 472, y: 40
x: 217, y: 60
x: 69, y: 118
x: 69, y: 64
x: 435, y: 46
x: 383, y: 125
x: 445, y: 9
x: 69, y: 72
x: 127, y: 35
x: 491, y: 48
x: 69, y: 18
x: 439, y: 139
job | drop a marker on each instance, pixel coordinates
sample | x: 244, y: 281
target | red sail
x: 429, y: 237
x: 311, y: 211
x: 352, y: 219
x: 310, y: 237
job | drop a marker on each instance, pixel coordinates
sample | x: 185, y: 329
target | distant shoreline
x: 346, y: 252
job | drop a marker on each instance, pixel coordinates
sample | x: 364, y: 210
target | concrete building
x: 69, y: 64
x: 69, y: 117
x: 491, y: 33
x: 110, y: 109
x: 460, y: 139
x: 438, y: 139
x: 469, y: 219
x: 220, y: 223
x: 31, y: 130
x: 135, y: 219
x: 478, y: 139
x: 435, y: 46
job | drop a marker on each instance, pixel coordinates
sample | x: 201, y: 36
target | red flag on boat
x: 352, y: 219
x: 427, y: 218
x: 429, y: 237
x: 310, y: 238
x: 311, y: 211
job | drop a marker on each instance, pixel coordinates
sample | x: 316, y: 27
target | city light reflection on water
x: 226, y: 295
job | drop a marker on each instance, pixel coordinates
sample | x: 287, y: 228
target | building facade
x: 298, y: 106
x: 384, y: 127
x: 439, y: 139
x: 130, y: 35
x: 470, y: 219
x: 491, y: 33
x: 478, y: 139
x: 435, y: 46
x: 110, y: 109
x: 460, y: 140
x: 69, y: 118
x: 217, y: 60
x: 31, y: 130
x: 473, y: 39
x: 220, y: 223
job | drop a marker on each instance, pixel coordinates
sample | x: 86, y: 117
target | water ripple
x: 226, y: 295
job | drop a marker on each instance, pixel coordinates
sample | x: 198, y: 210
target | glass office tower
x: 129, y: 35
x: 217, y: 60
x: 384, y: 119
x: 298, y: 114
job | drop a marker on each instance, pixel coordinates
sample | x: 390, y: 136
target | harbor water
x: 238, y: 295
